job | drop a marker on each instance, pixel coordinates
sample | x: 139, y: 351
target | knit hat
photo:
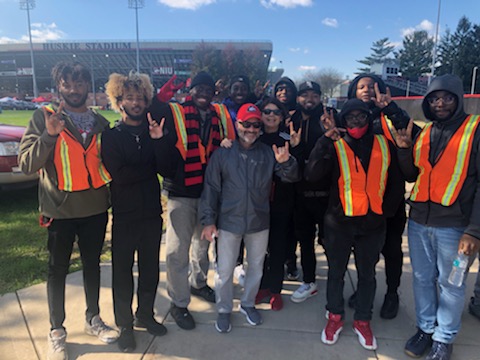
x: 203, y: 78
x: 309, y: 85
x: 351, y: 105
x: 242, y: 79
x: 248, y: 111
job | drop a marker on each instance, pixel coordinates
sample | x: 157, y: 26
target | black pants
x: 143, y: 236
x: 392, y: 250
x: 277, y: 246
x: 90, y: 232
x: 309, y: 213
x: 366, y: 248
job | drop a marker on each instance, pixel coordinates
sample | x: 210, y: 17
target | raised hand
x: 155, y: 129
x: 381, y: 100
x: 295, y: 136
x: 327, y: 119
x: 54, y: 123
x: 259, y: 89
x: 403, y: 137
x: 281, y: 153
x: 168, y: 89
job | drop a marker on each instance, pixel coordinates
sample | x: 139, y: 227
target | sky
x: 306, y: 34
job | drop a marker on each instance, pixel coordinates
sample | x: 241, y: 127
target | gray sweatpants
x: 228, y: 246
x: 184, y: 230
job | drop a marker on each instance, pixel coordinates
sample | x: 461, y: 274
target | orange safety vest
x: 358, y: 191
x: 442, y: 182
x: 78, y: 168
x: 387, y: 126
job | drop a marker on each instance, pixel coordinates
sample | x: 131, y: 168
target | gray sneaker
x: 101, y: 330
x: 252, y: 315
x: 223, y: 324
x: 56, y: 345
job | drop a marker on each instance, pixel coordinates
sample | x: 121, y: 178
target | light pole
x: 435, y: 41
x: 474, y: 78
x: 137, y: 4
x: 30, y: 5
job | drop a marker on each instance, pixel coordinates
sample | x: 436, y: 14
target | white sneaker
x: 239, y: 274
x: 56, y: 345
x: 303, y: 292
x: 101, y: 330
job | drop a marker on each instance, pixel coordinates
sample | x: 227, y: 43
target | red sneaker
x: 276, y: 302
x: 365, y: 334
x: 262, y: 294
x: 332, y: 329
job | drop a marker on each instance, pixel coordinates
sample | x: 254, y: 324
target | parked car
x: 10, y: 174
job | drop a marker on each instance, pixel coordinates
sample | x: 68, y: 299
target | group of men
x: 349, y: 172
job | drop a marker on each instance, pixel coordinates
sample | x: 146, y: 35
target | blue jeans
x: 438, y: 305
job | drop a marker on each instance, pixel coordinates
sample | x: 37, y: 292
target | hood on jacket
x: 354, y: 104
x: 451, y: 83
x: 352, y: 88
x: 289, y: 83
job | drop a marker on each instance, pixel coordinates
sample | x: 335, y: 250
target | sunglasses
x: 359, y: 117
x: 447, y: 100
x: 275, y: 112
x: 248, y: 124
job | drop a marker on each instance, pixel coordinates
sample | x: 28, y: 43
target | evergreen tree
x: 416, y: 56
x: 381, y: 50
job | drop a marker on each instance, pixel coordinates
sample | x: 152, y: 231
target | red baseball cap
x: 249, y: 111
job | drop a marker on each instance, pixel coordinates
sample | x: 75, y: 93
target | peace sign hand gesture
x: 259, y: 89
x: 381, y: 100
x: 281, y: 153
x: 54, y: 123
x: 327, y: 119
x: 295, y: 136
x: 403, y: 137
x: 155, y: 129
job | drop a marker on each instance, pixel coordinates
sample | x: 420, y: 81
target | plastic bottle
x: 458, y: 269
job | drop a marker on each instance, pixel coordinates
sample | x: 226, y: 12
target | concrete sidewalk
x: 293, y: 333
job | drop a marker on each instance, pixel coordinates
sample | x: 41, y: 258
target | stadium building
x: 160, y: 59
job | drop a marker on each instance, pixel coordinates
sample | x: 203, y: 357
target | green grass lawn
x: 21, y: 117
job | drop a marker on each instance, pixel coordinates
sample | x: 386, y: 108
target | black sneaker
x: 152, y: 326
x: 390, y: 306
x: 205, y: 292
x: 182, y: 317
x: 418, y: 344
x: 223, y: 324
x: 351, y: 300
x: 440, y: 351
x: 473, y: 308
x: 126, y: 340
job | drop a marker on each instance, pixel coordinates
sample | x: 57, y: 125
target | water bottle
x: 458, y: 269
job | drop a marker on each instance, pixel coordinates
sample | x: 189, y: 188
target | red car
x: 10, y: 174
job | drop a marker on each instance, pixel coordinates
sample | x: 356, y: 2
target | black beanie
x: 242, y: 79
x: 350, y: 105
x: 203, y: 78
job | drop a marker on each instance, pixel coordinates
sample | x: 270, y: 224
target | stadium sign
x: 88, y: 46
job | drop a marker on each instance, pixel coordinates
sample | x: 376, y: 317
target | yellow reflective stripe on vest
x: 104, y: 174
x: 221, y: 113
x: 416, y: 156
x: 382, y: 141
x: 179, y: 119
x: 347, y: 176
x: 460, y: 161
x: 66, y: 166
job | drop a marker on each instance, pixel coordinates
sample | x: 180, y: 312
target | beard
x: 75, y: 103
x: 140, y: 117
x: 309, y: 111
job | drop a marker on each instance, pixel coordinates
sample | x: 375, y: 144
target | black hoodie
x: 290, y: 84
x: 465, y: 211
x: 323, y: 164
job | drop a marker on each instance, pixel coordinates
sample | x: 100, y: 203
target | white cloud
x: 307, y: 67
x: 330, y: 22
x: 286, y: 3
x: 273, y: 59
x: 294, y: 49
x: 306, y: 51
x: 369, y: 27
x: 424, y: 25
x: 41, y: 32
x: 186, y: 4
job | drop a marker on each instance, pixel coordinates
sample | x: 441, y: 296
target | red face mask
x: 358, y: 132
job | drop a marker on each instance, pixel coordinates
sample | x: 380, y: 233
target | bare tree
x: 328, y: 78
